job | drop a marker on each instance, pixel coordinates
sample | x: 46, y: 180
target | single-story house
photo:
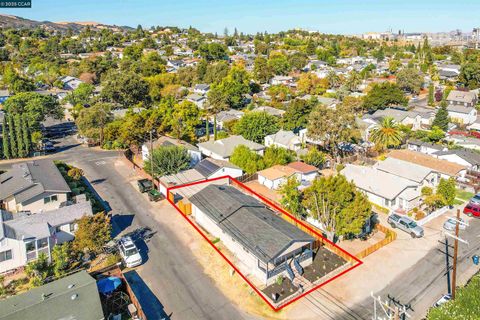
x: 464, y: 142
x: 201, y: 88
x: 33, y: 186
x: 228, y: 115
x: 264, y: 243
x: 23, y: 236
x: 208, y: 168
x: 197, y: 99
x: 462, y: 157
x: 222, y: 149
x: 284, y: 139
x: 70, y: 83
x: 270, y: 110
x: 424, y: 176
x: 165, y: 141
x: 445, y: 168
x: 305, y: 173
x: 383, y: 188
x: 424, y: 147
x: 72, y: 297
x: 275, y: 176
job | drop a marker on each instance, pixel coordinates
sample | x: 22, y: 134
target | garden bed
x: 323, y: 263
x: 283, y: 290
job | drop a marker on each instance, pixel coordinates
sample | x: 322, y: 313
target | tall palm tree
x: 387, y: 134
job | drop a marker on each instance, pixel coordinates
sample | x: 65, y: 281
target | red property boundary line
x: 278, y: 308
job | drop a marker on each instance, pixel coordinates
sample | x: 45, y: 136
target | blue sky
x: 331, y: 16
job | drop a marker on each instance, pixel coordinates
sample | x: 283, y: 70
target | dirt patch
x: 323, y: 263
x: 280, y: 291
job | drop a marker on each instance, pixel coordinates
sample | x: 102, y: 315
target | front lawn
x: 463, y: 195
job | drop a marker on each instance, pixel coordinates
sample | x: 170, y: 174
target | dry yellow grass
x: 233, y: 286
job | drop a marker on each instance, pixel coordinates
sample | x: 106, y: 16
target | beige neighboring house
x: 24, y: 235
x: 284, y: 139
x: 33, y: 186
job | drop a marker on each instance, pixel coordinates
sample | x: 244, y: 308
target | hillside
x: 9, y: 21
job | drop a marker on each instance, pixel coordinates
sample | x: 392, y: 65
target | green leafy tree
x: 409, y: 79
x: 255, y: 126
x: 61, y: 258
x: 185, y: 117
x: 387, y: 134
x: 292, y: 197
x: 93, y: 233
x: 261, y: 71
x: 435, y: 134
x: 81, y: 95
x: 275, y: 155
x: 125, y: 88
x: 19, y: 136
x: 442, y: 119
x: 91, y: 122
x: 38, y: 270
x: 296, y: 115
x: 446, y: 189
x: 384, y: 95
x: 248, y: 160
x: 337, y: 205
x: 470, y: 75
x: 27, y: 140
x: 167, y: 160
x: 12, y: 137
x: 431, y: 95
x: 314, y: 157
x: 212, y: 51
x: 6, y: 141
x: 278, y: 63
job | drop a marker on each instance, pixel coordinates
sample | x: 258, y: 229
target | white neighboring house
x: 201, y: 88
x: 275, y: 176
x: 463, y: 157
x: 208, y: 168
x: 70, y: 83
x: 33, y: 186
x: 424, y: 147
x: 464, y: 142
x: 284, y: 139
x: 228, y: 115
x: 198, y: 99
x: 263, y: 243
x: 222, y: 149
x: 423, y: 176
x: 281, y: 80
x: 165, y: 141
x: 461, y: 106
x: 383, y: 188
x: 23, y: 236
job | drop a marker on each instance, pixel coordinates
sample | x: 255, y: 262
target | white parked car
x: 443, y: 299
x: 129, y: 252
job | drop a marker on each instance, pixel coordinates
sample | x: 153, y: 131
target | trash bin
x: 475, y: 259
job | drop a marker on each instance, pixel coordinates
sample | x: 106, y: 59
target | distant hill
x: 9, y: 21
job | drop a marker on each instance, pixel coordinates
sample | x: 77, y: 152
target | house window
x: 42, y: 243
x: 72, y: 227
x: 5, y: 255
x: 50, y: 199
x: 30, y: 246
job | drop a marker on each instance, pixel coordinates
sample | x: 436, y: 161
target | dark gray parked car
x: 406, y: 224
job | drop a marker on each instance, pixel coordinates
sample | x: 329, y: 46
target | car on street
x: 443, y: 299
x: 475, y: 199
x: 451, y: 223
x: 129, y: 252
x: 406, y: 224
x: 472, y: 210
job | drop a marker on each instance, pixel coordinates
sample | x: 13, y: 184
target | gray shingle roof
x: 462, y: 96
x: 225, y: 147
x: 469, y: 156
x: 55, y: 300
x: 248, y: 221
x: 38, y: 225
x: 28, y: 179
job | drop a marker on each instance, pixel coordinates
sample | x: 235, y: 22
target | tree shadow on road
x: 120, y: 222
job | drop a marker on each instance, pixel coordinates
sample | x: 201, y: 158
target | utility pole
x: 386, y: 311
x: 455, y: 253
x: 455, y: 250
x: 447, y: 260
x: 151, y: 158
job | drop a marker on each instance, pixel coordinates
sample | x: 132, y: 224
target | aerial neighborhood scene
x: 237, y: 160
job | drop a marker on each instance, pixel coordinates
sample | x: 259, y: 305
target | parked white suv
x: 128, y: 251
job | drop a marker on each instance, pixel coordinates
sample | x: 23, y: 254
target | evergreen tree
x: 5, y: 141
x: 431, y: 98
x: 12, y: 138
x: 27, y: 143
x: 18, y: 136
x: 441, y: 118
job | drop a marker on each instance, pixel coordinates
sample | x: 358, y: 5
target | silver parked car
x: 406, y: 224
x: 451, y: 223
x: 475, y: 199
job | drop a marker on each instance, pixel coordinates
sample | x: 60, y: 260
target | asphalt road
x: 175, y: 278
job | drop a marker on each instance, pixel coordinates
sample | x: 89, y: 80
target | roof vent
x: 74, y: 296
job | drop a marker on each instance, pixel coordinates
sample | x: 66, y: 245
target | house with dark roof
x: 463, y: 157
x: 264, y: 244
x: 72, y: 297
x: 33, y: 186
x: 25, y: 235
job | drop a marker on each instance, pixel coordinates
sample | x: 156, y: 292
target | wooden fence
x: 390, y: 236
